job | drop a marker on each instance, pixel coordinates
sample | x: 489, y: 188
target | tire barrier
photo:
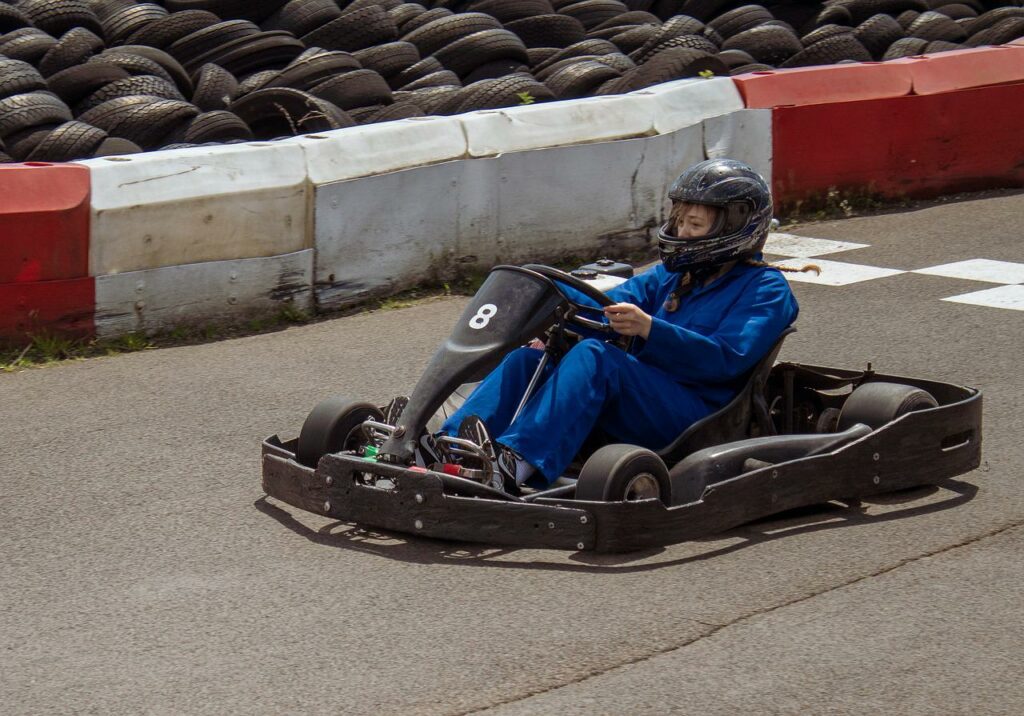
x: 328, y: 219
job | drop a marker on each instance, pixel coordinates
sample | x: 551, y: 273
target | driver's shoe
x: 474, y: 430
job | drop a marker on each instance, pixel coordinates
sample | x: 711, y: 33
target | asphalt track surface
x: 144, y: 572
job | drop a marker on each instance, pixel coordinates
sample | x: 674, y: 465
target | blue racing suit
x: 693, y: 362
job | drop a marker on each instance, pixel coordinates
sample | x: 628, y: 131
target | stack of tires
x: 87, y: 78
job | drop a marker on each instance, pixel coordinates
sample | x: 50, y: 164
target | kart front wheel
x: 332, y: 426
x: 617, y: 473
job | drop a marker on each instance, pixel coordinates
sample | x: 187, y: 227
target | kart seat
x: 745, y: 415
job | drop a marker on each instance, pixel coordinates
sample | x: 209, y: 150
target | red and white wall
x: 146, y: 242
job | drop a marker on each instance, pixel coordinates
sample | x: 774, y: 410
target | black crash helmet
x: 745, y: 213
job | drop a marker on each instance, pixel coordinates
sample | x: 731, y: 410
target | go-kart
x: 794, y: 435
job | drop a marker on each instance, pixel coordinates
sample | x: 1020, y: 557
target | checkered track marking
x: 837, y: 273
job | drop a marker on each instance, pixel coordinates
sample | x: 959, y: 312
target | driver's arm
x: 763, y: 309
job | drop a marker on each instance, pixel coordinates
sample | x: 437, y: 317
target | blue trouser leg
x: 597, y: 384
x: 495, y: 400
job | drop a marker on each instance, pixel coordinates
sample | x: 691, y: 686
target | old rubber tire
x: 333, y: 425
x: 617, y: 473
x: 878, y: 403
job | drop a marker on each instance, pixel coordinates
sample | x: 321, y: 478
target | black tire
x: 878, y: 403
x: 905, y: 47
x: 677, y: 63
x: 441, y: 78
x: 823, y: 33
x: 166, y: 61
x: 358, y: 88
x: 578, y: 49
x: 1005, y: 30
x: 58, y: 16
x: 256, y: 81
x: 76, y: 83
x: 398, y: 110
x: 388, y: 59
x: 116, y: 146
x: 510, y: 91
x: 17, y: 77
x: 216, y: 88
x: 162, y: 32
x: 302, y: 16
x: 273, y: 50
x: 133, y: 64
x: 936, y: 26
x: 11, y: 18
x: 332, y: 426
x: 28, y: 44
x: 593, y: 12
x: 469, y: 52
x: 735, y: 58
x: 507, y: 11
x: 740, y: 19
x: 120, y: 25
x: 33, y: 109
x: 769, y: 44
x: 580, y: 78
x: 279, y: 111
x: 617, y: 473
x: 422, y: 19
x: 253, y: 10
x: 354, y: 30
x: 148, y: 123
x: 431, y: 37
x: 216, y: 126
x: 877, y: 34
x: 691, y: 42
x: 198, y: 43
x: 140, y: 85
x: 22, y: 143
x: 548, y: 30
x: 73, y: 48
x: 307, y: 72
x: 495, y: 70
x: 68, y: 142
x: 419, y: 70
x: 830, y: 51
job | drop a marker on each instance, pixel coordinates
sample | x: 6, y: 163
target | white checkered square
x: 979, y: 270
x: 804, y: 246
x: 834, y: 273
x: 1010, y: 296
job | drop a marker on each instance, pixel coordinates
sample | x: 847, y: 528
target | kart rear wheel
x: 332, y: 426
x: 617, y: 473
x: 878, y: 403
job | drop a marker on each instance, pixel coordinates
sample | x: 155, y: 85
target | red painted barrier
x: 822, y: 85
x: 912, y: 146
x: 963, y: 69
x: 65, y: 307
x: 44, y: 222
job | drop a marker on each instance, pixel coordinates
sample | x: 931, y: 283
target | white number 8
x: 483, y: 316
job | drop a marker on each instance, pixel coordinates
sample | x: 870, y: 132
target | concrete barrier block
x: 44, y: 222
x: 157, y: 299
x: 361, y: 151
x: 491, y: 132
x: 684, y: 103
x: 745, y: 135
x: 194, y: 205
x: 377, y: 234
x: 604, y: 197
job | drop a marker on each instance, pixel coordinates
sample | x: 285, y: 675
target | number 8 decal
x: 483, y: 316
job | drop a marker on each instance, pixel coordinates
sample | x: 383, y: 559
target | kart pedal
x: 393, y: 410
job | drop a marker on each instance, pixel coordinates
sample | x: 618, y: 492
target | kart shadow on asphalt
x: 882, y: 508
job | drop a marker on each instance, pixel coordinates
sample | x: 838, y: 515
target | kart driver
x: 701, y: 320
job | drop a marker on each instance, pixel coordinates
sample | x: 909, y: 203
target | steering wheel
x: 556, y: 276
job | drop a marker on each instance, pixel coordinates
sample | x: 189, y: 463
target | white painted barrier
x: 594, y: 119
x: 684, y: 103
x: 214, y: 291
x: 201, y: 204
x: 745, y: 135
x: 372, y: 149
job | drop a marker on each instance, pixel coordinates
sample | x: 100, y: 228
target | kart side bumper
x: 417, y: 504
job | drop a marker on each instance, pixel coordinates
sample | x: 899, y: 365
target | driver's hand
x: 536, y: 343
x: 628, y: 320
